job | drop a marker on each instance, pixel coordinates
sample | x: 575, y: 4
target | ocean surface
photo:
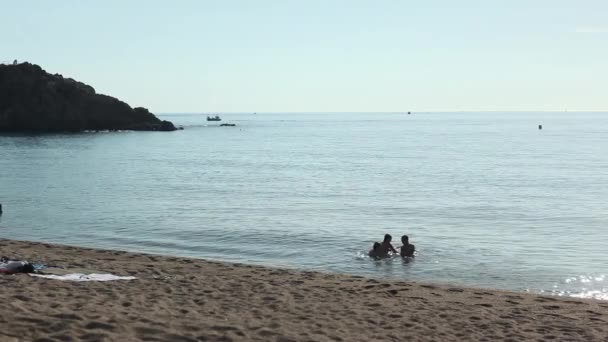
x: 488, y: 199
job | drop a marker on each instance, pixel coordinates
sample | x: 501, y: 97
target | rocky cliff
x: 32, y: 100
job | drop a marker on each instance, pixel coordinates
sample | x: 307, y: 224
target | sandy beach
x: 180, y: 299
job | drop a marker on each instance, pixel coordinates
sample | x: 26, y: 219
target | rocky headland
x: 32, y: 100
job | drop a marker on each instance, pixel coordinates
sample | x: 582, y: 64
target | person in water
x: 408, y: 249
x: 373, y: 253
x: 386, y: 246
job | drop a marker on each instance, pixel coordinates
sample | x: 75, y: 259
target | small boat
x: 214, y: 118
x: 227, y: 125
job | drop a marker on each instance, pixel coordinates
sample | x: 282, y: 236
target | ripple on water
x: 594, y: 286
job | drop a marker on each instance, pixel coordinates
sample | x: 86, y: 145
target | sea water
x: 488, y: 199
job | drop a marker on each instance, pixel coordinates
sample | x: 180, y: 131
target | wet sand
x: 180, y: 299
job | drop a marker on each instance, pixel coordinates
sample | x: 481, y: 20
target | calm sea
x: 488, y: 199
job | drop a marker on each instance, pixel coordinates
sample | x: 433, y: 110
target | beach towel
x: 83, y: 277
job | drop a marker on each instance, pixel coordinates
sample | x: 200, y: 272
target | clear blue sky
x: 321, y: 55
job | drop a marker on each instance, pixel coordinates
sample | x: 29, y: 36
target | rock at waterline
x: 32, y: 100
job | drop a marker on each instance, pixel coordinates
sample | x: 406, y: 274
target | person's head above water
x: 375, y: 252
x: 388, y: 238
x: 405, y: 239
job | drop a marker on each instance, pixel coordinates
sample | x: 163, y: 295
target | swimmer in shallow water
x: 408, y: 249
x: 373, y: 253
x: 386, y: 246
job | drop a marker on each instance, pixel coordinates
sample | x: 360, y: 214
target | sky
x: 321, y: 55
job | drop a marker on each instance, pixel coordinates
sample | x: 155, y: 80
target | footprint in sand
x: 99, y: 325
x: 551, y: 307
x: 148, y: 331
x: 22, y: 298
x: 545, y: 299
x: 68, y: 316
x: 513, y: 297
x: 92, y: 337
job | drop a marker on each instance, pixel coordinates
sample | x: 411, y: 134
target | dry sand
x: 179, y: 299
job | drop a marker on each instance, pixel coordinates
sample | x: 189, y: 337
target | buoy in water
x: 540, y: 127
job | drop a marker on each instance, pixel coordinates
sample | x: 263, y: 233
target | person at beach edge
x: 373, y: 253
x: 408, y: 249
x: 386, y: 246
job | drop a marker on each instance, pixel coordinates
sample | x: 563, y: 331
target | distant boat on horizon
x: 214, y: 118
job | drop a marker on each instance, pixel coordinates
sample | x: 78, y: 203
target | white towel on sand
x: 82, y: 277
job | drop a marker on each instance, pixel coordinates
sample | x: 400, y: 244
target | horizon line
x: 387, y: 112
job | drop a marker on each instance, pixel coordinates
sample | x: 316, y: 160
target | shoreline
x: 184, y: 299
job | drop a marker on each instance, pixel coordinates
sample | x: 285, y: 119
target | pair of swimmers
x: 381, y: 250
